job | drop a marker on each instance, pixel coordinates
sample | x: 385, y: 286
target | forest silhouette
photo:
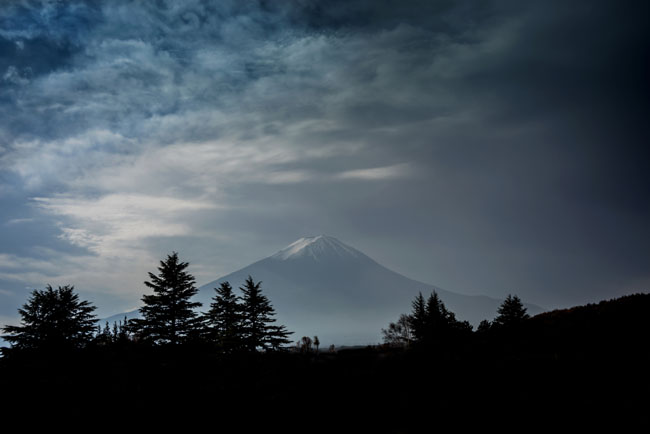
x: 233, y: 359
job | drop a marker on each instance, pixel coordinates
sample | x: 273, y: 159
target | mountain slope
x: 320, y: 286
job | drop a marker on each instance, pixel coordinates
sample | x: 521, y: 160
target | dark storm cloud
x: 488, y: 147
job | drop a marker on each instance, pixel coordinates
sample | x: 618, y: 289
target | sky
x: 488, y: 147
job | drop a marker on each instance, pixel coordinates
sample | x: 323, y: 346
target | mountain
x: 321, y: 286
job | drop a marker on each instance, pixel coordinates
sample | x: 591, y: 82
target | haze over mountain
x: 321, y: 286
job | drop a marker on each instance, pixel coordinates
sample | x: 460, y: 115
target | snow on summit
x: 318, y: 247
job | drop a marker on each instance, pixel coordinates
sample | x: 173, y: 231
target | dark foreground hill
x: 587, y: 365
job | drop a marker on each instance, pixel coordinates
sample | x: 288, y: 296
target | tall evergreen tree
x: 429, y: 322
x: 53, y: 319
x: 168, y: 315
x: 224, y: 319
x: 257, y: 311
x: 511, y: 312
x: 418, y: 318
x: 438, y: 319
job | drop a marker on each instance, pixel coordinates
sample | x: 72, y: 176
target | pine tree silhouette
x: 484, y: 326
x: 429, y: 322
x: 511, y: 312
x: 224, y: 319
x: 258, y: 331
x: 53, y: 319
x: 418, y: 318
x: 438, y: 319
x: 168, y: 315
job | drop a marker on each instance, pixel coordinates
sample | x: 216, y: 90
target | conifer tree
x: 484, y: 327
x: 430, y: 321
x: 123, y: 331
x: 257, y: 311
x: 511, y: 312
x: 224, y: 319
x: 277, y: 337
x: 438, y: 319
x: 116, y: 331
x: 418, y: 318
x: 104, y: 336
x: 53, y: 319
x: 168, y: 315
x: 441, y: 323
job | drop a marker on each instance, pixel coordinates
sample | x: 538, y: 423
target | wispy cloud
x: 377, y: 173
x: 111, y: 224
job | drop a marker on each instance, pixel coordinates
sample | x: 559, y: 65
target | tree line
x: 430, y: 323
x: 594, y: 357
x: 56, y: 319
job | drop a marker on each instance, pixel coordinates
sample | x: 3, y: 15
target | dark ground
x: 584, y: 366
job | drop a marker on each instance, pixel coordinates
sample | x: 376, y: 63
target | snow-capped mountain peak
x: 318, y: 248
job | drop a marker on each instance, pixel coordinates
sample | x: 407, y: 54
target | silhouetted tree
x: 53, y: 319
x: 123, y: 334
x: 398, y: 333
x: 224, y: 319
x: 418, y: 320
x: 116, y: 334
x: 168, y: 315
x: 316, y: 343
x: 116, y: 331
x: 257, y: 311
x: 103, y: 336
x: 105, y: 331
x: 511, y: 312
x: 305, y: 344
x: 438, y: 320
x: 484, y: 326
x: 430, y: 321
x: 277, y: 337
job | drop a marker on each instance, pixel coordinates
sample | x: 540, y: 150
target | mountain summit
x: 319, y: 248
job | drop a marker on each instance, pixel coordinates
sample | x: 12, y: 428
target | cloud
x: 13, y: 75
x: 110, y: 225
x: 228, y: 128
x: 16, y: 262
x: 39, y: 162
x: 376, y: 173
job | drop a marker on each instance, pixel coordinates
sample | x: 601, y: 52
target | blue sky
x: 484, y: 147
